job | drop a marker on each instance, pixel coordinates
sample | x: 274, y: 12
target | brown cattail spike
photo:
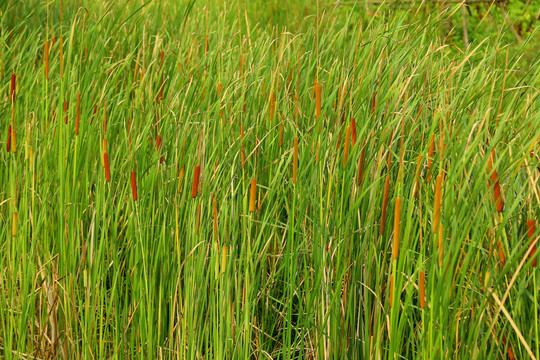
x: 497, y: 191
x: 397, y: 213
x: 422, y: 286
x: 14, y: 224
x: 196, y: 174
x: 107, y: 167
x: 252, y: 194
x: 317, y: 99
x: 12, y: 89
x: 531, y: 229
x: 8, y: 145
x: 295, y: 160
x: 134, y: 186
x: 46, y: 51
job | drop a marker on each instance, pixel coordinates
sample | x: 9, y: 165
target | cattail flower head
x: 422, y: 287
x: 134, y: 186
x: 12, y: 89
x: 252, y: 194
x: 107, y: 167
x: 14, y: 224
x: 196, y: 174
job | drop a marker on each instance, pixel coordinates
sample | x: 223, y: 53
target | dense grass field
x: 187, y: 180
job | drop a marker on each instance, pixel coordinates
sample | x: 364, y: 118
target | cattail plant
x: 106, y: 165
x: 422, y: 290
x: 397, y: 213
x: 224, y: 251
x: 8, y: 144
x: 134, y: 186
x: 295, y: 160
x: 12, y: 89
x: 46, y: 53
x: 531, y: 229
x: 196, y: 174
x: 252, y: 194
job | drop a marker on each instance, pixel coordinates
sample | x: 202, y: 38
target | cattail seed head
x: 224, y: 252
x: 196, y: 174
x: 46, y: 51
x: 252, y: 194
x: 134, y: 186
x: 8, y: 145
x: 281, y: 134
x: 66, y: 107
x: 12, y: 89
x: 397, y: 212
x: 107, y: 167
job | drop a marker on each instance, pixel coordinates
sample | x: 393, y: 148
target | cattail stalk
x: 196, y: 174
x: 134, y: 186
x: 252, y: 194
x: 531, y: 229
x: 107, y: 167
x: 346, y: 151
x: 78, y: 113
x: 397, y: 212
x: 422, y: 286
x: 295, y: 160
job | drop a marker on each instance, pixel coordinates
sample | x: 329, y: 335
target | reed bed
x: 298, y: 143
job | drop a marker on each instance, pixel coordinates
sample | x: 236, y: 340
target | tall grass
x: 279, y: 251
